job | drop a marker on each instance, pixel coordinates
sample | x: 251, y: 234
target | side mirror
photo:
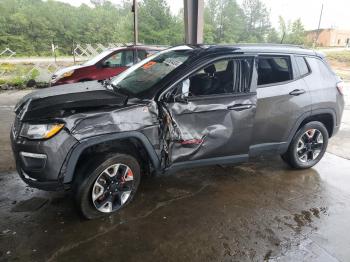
x: 178, y: 94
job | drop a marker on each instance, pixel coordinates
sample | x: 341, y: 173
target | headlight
x: 66, y: 74
x: 41, y: 131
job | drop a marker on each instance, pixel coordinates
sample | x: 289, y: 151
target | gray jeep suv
x: 186, y: 106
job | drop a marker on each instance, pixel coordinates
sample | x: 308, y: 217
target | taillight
x: 340, y: 87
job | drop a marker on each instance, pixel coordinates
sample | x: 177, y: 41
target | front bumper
x: 39, y: 162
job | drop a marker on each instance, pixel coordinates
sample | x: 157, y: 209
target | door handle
x: 297, y: 92
x: 240, y: 107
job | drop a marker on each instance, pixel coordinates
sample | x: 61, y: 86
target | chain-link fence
x: 18, y: 70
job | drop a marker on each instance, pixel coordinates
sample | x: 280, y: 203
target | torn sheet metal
x: 206, y: 128
x: 89, y: 109
x: 134, y: 117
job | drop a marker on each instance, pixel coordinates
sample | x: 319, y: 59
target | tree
x: 292, y: 32
x: 224, y: 21
x: 156, y: 24
x: 297, y: 34
x: 30, y: 26
x: 273, y: 36
x: 282, y: 28
x: 257, y: 20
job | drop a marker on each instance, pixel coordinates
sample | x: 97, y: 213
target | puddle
x: 30, y: 205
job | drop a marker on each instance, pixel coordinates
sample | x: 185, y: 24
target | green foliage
x: 17, y: 74
x: 292, y: 32
x: 273, y: 36
x: 29, y: 27
x: 257, y: 24
x: 157, y: 25
x: 225, y: 21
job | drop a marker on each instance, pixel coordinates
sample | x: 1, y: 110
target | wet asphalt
x: 258, y: 211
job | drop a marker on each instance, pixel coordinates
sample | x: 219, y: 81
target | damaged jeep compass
x: 183, y: 107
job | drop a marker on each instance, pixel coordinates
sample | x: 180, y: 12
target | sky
x: 335, y: 12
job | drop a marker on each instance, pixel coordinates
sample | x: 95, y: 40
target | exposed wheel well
x: 130, y: 146
x: 326, y: 119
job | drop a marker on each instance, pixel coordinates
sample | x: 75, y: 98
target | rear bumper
x: 39, y: 163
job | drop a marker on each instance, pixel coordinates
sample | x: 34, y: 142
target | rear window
x: 302, y: 65
x: 274, y: 69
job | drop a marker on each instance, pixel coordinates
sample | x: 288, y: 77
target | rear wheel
x: 308, y: 146
x: 107, y: 185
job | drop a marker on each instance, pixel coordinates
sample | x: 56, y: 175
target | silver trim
x: 33, y: 155
x: 28, y: 177
x: 312, y: 137
x: 103, y: 188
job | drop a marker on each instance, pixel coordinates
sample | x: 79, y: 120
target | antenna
x: 318, y: 28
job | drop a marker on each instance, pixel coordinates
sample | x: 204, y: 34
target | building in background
x: 330, y: 37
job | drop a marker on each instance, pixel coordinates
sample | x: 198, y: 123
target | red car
x: 109, y: 63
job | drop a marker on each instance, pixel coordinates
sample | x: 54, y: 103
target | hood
x: 59, y: 100
x: 67, y: 69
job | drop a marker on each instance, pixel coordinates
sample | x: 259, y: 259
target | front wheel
x: 107, y: 185
x: 308, y: 146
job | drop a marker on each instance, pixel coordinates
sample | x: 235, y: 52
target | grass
x: 16, y: 74
x: 340, y: 62
x: 339, y: 56
x: 20, y: 73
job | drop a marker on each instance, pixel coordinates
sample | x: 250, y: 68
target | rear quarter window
x: 302, y: 65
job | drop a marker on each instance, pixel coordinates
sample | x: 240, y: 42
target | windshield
x: 97, y: 58
x: 144, y: 75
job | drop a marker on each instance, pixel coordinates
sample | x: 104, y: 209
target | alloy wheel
x: 112, y: 188
x: 310, y: 145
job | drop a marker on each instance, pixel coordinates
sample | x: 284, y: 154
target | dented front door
x: 209, y: 127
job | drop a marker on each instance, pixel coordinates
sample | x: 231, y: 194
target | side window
x: 128, y: 58
x: 123, y: 58
x: 221, y: 65
x: 114, y: 61
x: 141, y: 54
x: 274, y: 69
x: 222, y: 77
x: 302, y: 65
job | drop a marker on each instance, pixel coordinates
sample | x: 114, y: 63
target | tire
x: 302, y: 142
x: 98, y: 177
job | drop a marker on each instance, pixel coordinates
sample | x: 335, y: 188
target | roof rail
x: 141, y: 44
x: 270, y: 44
